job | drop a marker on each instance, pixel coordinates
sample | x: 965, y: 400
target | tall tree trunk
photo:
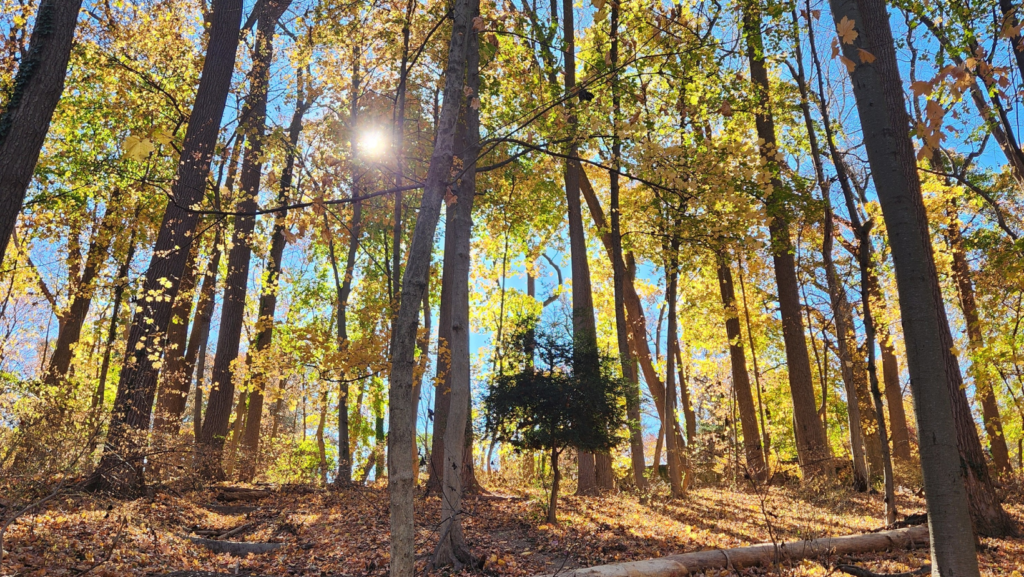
x: 880, y: 103
x: 982, y: 378
x: 635, y: 318
x: 173, y: 385
x: 121, y: 466
x: 120, y: 282
x: 812, y: 446
x: 583, y: 325
x: 689, y: 415
x: 442, y: 393
x: 81, y: 299
x: 451, y: 547
x: 899, y: 431
x: 757, y: 372
x: 740, y: 379
x: 854, y: 377
x: 26, y: 117
x: 268, y: 299
x: 254, y: 114
x: 849, y: 357
x: 414, y: 284
x: 195, y: 353
x: 626, y: 358
x: 671, y: 443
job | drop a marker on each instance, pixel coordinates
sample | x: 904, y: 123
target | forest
x: 603, y: 288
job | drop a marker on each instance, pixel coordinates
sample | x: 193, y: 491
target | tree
x: 253, y: 124
x: 551, y: 407
x: 401, y: 418
x: 810, y: 435
x: 27, y: 113
x: 864, y: 28
x: 120, y: 468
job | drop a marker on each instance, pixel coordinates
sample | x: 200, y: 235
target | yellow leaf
x: 865, y: 56
x: 599, y: 4
x: 162, y: 136
x: 846, y: 31
x: 137, y: 148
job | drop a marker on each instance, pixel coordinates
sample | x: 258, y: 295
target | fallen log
x: 764, y: 554
x: 236, y: 548
x: 242, y: 494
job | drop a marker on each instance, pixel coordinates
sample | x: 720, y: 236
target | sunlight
x: 372, y: 142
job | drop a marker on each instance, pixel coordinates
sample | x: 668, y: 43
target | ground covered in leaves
x: 345, y: 533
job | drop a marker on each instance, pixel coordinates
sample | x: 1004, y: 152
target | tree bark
x: 812, y: 446
x: 584, y: 328
x: 442, y: 393
x: 982, y: 378
x: 121, y: 466
x: 626, y: 358
x: 880, y: 102
x: 849, y: 357
x: 254, y: 114
x: 173, y: 385
x: 414, y: 284
x: 740, y: 378
x: 671, y: 443
x: 452, y: 548
x: 26, y: 118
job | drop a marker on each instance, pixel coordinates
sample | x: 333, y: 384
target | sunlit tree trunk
x: 812, y: 446
x: 414, y: 284
x: 672, y: 445
x: 120, y: 468
x: 452, y: 548
x: 253, y: 123
x: 740, y: 378
x: 982, y: 379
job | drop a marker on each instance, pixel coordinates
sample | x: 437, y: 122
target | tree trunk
x: 689, y: 416
x: 812, y: 446
x: 556, y: 480
x: 894, y: 397
x: 671, y: 443
x: 173, y: 385
x: 35, y: 93
x: 120, y: 282
x: 626, y: 358
x: 584, y: 328
x: 84, y: 287
x: 849, y: 357
x: 195, y: 354
x: 982, y: 377
x: 442, y: 393
x: 740, y: 379
x: 854, y: 377
x: 451, y: 547
x: 254, y: 114
x: 880, y: 103
x: 635, y: 318
x: 320, y: 445
x: 268, y: 301
x: 414, y: 284
x: 120, y: 468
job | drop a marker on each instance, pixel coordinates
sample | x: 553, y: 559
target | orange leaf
x: 846, y: 31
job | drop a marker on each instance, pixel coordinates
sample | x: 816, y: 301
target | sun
x: 372, y: 143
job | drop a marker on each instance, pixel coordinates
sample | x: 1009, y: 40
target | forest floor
x: 345, y: 533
